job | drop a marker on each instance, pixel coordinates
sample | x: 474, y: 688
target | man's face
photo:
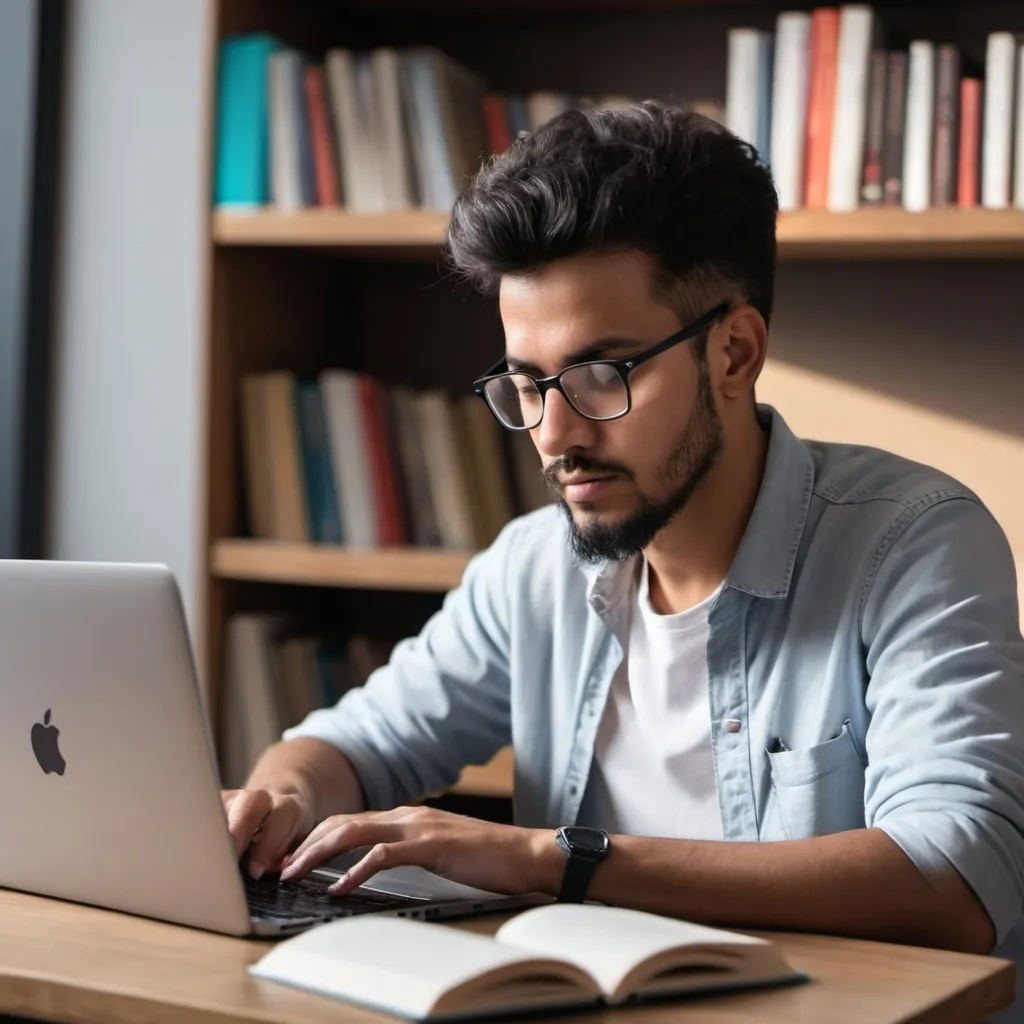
x: 621, y: 481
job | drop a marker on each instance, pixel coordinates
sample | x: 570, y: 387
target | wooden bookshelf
x: 866, y: 233
x: 316, y: 565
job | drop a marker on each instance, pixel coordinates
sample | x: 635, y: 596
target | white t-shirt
x: 653, y: 772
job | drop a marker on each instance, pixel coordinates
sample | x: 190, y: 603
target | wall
x: 924, y: 359
x: 131, y: 287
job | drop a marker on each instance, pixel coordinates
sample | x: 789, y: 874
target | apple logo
x: 44, y: 746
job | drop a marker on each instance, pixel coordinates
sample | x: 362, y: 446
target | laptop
x: 110, y: 793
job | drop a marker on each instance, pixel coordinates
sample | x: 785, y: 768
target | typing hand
x: 266, y: 824
x: 499, y: 858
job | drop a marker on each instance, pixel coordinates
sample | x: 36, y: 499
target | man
x: 785, y: 676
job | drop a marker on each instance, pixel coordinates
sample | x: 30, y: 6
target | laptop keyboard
x: 287, y: 901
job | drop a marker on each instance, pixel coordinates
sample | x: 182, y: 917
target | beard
x: 681, y: 475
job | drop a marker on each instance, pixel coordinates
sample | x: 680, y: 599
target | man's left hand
x: 483, y: 854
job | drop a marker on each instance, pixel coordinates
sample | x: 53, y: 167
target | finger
x: 245, y: 815
x: 383, y: 855
x: 342, y: 838
x: 274, y: 838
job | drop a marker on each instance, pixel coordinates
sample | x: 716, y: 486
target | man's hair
x: 674, y: 185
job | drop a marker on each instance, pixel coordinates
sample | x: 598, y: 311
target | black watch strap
x: 585, y: 848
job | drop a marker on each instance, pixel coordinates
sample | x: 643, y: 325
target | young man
x: 786, y: 677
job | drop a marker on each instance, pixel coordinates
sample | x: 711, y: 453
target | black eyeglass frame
x: 623, y: 367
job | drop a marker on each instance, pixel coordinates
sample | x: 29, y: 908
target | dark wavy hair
x: 675, y: 185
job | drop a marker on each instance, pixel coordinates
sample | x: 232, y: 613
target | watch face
x: 586, y: 840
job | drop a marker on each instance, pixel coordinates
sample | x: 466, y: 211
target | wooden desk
x: 69, y: 963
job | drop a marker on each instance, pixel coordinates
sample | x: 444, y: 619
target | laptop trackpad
x: 409, y: 880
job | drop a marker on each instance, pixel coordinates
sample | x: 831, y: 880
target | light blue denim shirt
x: 869, y: 622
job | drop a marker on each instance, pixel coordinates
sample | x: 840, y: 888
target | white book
x: 350, y: 458
x: 741, y: 101
x: 284, y: 102
x: 997, y: 124
x: 846, y: 157
x: 1018, y: 160
x: 919, y: 127
x: 350, y: 88
x: 558, y: 955
x: 789, y: 106
x: 392, y: 144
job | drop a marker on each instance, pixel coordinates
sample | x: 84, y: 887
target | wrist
x: 547, y: 860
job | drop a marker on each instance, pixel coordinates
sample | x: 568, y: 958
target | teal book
x: 241, y: 167
x: 318, y: 472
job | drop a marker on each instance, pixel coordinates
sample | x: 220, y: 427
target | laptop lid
x: 110, y: 794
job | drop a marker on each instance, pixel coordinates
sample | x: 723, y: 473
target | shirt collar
x: 764, y: 563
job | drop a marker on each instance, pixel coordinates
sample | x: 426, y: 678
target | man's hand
x: 266, y: 823
x: 499, y: 858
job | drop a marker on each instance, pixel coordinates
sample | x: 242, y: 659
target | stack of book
x: 845, y: 118
x: 377, y: 131
x: 345, y: 459
x: 279, y: 669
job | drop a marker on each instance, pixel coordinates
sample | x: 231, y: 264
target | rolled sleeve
x: 442, y: 700
x: 945, y: 745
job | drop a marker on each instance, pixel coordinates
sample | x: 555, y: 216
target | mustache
x: 578, y: 464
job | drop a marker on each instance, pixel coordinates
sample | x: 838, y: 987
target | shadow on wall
x: 946, y: 337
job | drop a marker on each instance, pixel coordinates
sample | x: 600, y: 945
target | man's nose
x: 562, y: 427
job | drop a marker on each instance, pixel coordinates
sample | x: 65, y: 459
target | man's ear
x: 736, y: 352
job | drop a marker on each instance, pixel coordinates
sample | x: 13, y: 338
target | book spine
x: 917, y: 153
x: 1018, y: 160
x: 874, y: 138
x: 846, y: 151
x: 499, y: 137
x: 1000, y: 57
x: 821, y: 103
x: 947, y: 122
x: 765, y: 64
x: 968, y: 175
x: 895, y: 128
x: 789, y: 106
x: 741, y: 104
x: 324, y: 160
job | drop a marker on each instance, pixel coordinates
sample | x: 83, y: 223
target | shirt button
x: 572, y: 791
x: 733, y: 725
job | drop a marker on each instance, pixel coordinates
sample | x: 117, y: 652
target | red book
x: 970, y: 143
x: 499, y: 138
x: 821, y: 103
x: 324, y: 164
x: 391, y: 526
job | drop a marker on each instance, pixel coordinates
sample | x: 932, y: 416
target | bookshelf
x: 866, y: 233
x: 316, y: 565
x: 320, y: 287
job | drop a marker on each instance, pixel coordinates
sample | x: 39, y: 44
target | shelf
x: 331, y: 228
x: 424, y: 569
x: 492, y: 779
x: 872, y: 233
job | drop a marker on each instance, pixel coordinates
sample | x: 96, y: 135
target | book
x: 857, y: 31
x: 969, y: 171
x: 554, y: 956
x: 821, y: 105
x: 997, y: 121
x: 789, y: 105
x: 920, y: 127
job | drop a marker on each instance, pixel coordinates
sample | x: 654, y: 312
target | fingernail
x: 335, y: 887
x: 286, y: 874
x: 256, y: 870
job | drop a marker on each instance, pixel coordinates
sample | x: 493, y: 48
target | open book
x: 553, y: 956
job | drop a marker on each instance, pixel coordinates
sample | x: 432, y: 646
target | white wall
x: 130, y: 287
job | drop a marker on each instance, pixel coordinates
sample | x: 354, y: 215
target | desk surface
x: 65, y: 962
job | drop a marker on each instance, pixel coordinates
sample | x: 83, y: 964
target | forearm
x: 316, y: 771
x: 856, y: 883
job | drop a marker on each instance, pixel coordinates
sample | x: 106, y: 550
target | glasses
x: 597, y: 390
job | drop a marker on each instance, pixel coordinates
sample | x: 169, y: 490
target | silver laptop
x: 110, y: 793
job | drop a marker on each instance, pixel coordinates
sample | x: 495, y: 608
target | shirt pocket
x: 818, y: 790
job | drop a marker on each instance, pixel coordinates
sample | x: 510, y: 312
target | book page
x: 609, y: 942
x: 402, y: 966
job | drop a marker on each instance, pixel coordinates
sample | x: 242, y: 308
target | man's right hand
x: 267, y: 824
x: 293, y: 786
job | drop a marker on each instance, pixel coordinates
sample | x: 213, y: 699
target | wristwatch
x: 585, y: 849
